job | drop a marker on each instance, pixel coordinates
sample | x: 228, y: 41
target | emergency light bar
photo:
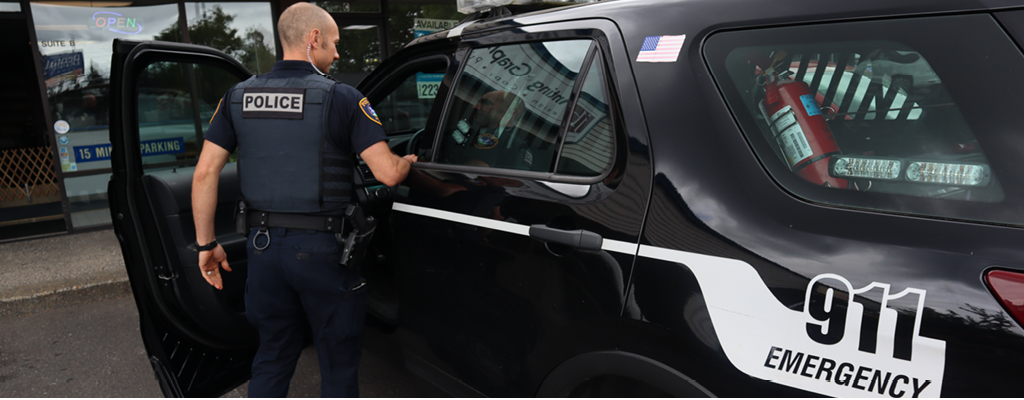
x: 865, y: 167
x: 891, y: 169
x: 953, y: 174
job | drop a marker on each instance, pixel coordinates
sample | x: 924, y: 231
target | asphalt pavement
x: 94, y: 350
x: 69, y: 328
x: 60, y: 270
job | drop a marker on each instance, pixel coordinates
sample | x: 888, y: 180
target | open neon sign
x: 116, y: 22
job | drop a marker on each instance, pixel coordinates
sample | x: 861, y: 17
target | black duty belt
x: 266, y: 219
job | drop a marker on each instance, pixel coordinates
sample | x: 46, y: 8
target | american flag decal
x: 661, y: 48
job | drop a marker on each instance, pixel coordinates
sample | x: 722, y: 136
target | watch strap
x: 206, y: 247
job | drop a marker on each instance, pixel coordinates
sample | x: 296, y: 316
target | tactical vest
x: 286, y: 159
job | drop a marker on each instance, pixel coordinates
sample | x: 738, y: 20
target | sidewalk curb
x: 64, y: 296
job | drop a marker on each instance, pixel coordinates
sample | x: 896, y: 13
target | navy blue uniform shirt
x: 349, y: 127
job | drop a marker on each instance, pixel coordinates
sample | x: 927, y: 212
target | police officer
x: 296, y: 131
x: 492, y: 124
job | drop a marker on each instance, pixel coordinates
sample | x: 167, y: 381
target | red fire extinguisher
x: 796, y: 121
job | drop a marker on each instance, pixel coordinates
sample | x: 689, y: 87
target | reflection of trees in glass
x: 257, y: 56
x: 170, y: 34
x: 214, y: 29
x: 94, y: 77
x: 401, y: 17
x: 975, y: 322
x: 359, y: 53
x: 352, y: 6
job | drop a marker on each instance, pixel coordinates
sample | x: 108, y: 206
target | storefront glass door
x: 75, y: 45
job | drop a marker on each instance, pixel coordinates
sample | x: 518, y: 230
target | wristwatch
x: 207, y: 247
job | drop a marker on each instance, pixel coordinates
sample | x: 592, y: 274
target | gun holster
x: 241, y: 225
x: 355, y: 243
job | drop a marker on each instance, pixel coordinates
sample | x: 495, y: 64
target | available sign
x: 424, y: 26
x: 100, y: 152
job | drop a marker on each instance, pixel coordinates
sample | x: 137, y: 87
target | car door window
x: 510, y: 103
x: 888, y: 115
x: 176, y: 102
x: 406, y: 107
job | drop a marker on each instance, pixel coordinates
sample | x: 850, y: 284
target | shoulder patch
x: 364, y: 105
x: 485, y: 141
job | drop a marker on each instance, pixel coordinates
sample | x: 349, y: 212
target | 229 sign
x: 830, y: 311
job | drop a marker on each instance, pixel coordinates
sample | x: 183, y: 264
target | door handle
x: 579, y: 238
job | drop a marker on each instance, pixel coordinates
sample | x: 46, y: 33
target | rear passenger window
x: 513, y: 108
x: 900, y: 115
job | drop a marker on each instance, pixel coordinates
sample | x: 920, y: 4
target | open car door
x: 163, y: 98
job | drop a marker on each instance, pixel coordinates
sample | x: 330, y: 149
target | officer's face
x: 326, y: 52
x: 490, y: 108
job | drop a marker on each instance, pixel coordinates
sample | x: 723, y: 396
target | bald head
x: 298, y: 20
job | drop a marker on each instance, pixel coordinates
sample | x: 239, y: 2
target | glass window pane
x: 410, y: 19
x: 170, y: 110
x: 243, y: 30
x: 87, y: 200
x: 405, y: 109
x: 10, y: 7
x: 350, y: 6
x: 75, y: 43
x: 509, y: 104
x: 887, y: 115
x: 589, y: 140
x: 358, y: 53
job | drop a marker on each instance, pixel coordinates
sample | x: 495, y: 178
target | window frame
x: 142, y: 57
x: 597, y: 53
x: 387, y: 84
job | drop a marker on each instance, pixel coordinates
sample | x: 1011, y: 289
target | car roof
x: 641, y: 17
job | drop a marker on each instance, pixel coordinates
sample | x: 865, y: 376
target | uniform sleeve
x: 221, y: 132
x: 363, y: 125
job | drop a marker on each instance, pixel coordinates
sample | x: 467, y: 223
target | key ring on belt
x: 262, y: 231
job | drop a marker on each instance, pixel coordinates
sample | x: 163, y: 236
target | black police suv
x: 645, y: 198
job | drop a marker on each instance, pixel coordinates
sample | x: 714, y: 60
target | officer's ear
x: 313, y: 37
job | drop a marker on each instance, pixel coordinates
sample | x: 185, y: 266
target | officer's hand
x: 411, y: 158
x: 209, y: 261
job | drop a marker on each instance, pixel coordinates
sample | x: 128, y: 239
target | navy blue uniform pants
x: 296, y: 282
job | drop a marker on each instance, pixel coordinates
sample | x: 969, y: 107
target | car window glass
x: 509, y: 103
x: 589, y: 146
x: 884, y: 115
x: 174, y: 110
x: 406, y: 108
